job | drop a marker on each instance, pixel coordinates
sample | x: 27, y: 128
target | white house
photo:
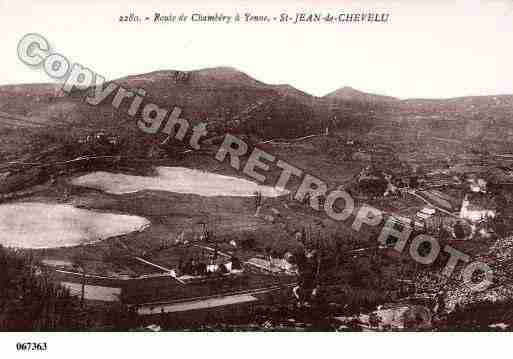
x: 477, y: 207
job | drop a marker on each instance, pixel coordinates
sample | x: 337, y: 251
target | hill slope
x: 350, y: 94
x: 230, y: 100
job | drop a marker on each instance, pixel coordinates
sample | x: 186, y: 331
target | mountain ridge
x: 231, y: 100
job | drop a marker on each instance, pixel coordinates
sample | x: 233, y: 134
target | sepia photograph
x: 291, y: 166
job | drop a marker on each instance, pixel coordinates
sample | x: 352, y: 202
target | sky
x: 429, y: 49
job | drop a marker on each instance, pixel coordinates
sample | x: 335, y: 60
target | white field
x: 40, y: 225
x: 178, y: 180
x: 94, y: 292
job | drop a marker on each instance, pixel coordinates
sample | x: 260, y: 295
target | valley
x: 415, y: 159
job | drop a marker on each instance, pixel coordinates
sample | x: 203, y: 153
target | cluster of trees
x: 29, y: 300
x: 356, y: 272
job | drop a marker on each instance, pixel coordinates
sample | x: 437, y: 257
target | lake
x: 178, y: 180
x: 42, y: 225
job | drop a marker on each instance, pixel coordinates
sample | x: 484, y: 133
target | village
x: 257, y: 219
x: 464, y: 205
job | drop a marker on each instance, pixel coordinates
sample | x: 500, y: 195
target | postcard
x: 169, y: 167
